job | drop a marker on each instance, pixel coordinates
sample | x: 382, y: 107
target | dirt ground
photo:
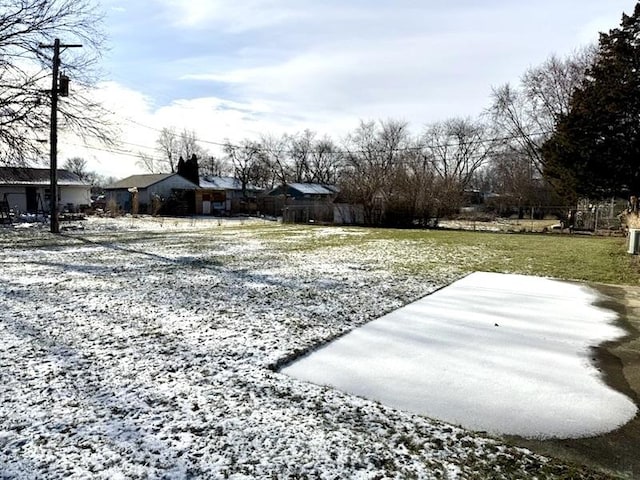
x: 617, y: 452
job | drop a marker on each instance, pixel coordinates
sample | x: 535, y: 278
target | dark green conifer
x: 595, y: 150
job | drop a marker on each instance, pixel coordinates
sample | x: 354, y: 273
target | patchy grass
x: 567, y: 257
x: 593, y: 259
x: 139, y: 348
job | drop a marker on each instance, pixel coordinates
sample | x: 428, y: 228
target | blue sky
x: 234, y: 69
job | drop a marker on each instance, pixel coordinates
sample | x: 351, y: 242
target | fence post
x: 634, y: 240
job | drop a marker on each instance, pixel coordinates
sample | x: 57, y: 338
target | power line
x: 335, y: 152
x: 344, y: 152
x: 106, y: 150
x: 257, y: 147
x: 263, y: 149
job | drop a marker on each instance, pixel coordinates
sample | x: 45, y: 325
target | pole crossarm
x: 66, y: 45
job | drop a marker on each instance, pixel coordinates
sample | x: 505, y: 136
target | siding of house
x: 27, y: 190
x: 16, y: 196
x: 223, y: 195
x: 69, y: 197
x: 163, y: 187
x: 75, y: 196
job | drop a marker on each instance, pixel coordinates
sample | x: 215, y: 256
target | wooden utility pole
x: 59, y: 86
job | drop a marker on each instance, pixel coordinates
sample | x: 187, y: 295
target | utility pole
x: 59, y: 87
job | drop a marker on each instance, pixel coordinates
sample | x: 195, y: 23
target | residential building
x: 147, y: 187
x: 225, y: 196
x: 27, y: 190
x: 301, y: 202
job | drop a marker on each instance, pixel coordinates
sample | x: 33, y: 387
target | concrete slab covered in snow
x: 502, y: 353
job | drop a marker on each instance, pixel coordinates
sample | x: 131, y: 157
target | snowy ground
x: 508, y: 354
x: 141, y: 349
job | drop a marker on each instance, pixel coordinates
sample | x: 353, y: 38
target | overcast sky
x: 235, y: 69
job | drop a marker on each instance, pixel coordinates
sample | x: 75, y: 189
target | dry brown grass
x: 631, y: 219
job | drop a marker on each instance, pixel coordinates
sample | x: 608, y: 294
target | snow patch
x: 507, y: 354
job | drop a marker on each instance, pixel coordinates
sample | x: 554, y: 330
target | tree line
x: 415, y: 176
x: 518, y: 148
x: 569, y: 128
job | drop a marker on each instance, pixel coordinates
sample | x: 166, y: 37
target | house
x: 306, y: 191
x: 28, y: 190
x: 225, y: 196
x: 172, y: 191
x: 301, y: 202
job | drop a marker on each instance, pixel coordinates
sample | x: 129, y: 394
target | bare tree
x: 78, y: 166
x: 173, y: 146
x: 168, y: 145
x: 513, y: 175
x: 457, y: 148
x: 274, y: 151
x: 324, y: 162
x: 300, y: 152
x: 188, y: 145
x: 371, y: 153
x: 526, y: 116
x: 149, y: 163
x: 246, y: 160
x: 411, y: 193
x: 25, y: 71
x: 216, y: 166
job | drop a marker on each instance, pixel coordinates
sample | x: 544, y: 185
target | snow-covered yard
x: 142, y: 349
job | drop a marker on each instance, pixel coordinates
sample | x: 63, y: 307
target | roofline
x: 168, y: 175
x: 44, y: 184
x: 64, y: 183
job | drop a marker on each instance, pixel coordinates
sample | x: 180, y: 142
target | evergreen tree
x: 595, y: 150
x: 189, y: 169
x: 180, y: 167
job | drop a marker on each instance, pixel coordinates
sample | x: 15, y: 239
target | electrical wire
x: 416, y: 148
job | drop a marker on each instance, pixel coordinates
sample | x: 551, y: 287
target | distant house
x: 162, y: 186
x: 224, y: 195
x: 308, y: 191
x: 302, y: 202
x: 28, y: 190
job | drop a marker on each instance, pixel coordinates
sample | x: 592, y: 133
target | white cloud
x: 232, y: 17
x: 127, y: 105
x: 238, y: 69
x: 212, y: 119
x: 414, y: 63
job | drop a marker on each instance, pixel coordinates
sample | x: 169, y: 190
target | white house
x: 28, y: 190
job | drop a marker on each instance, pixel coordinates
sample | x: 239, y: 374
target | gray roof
x: 223, y: 183
x: 311, y: 188
x: 140, y: 181
x: 38, y: 176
